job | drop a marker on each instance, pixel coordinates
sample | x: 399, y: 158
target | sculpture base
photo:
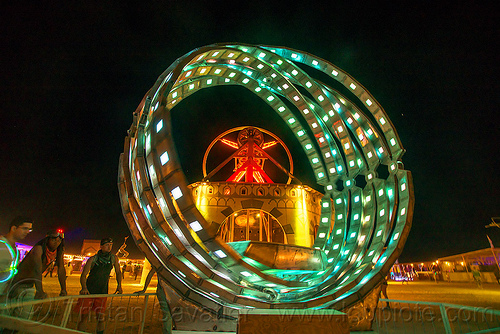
x: 292, y: 321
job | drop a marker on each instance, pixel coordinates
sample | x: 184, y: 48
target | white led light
x: 294, y: 55
x: 305, y: 111
x: 232, y: 74
x: 370, y: 154
x: 308, y: 84
x: 188, y: 74
x: 325, y: 118
x: 327, y: 155
x: 393, y: 141
x: 246, y: 59
x: 149, y: 209
x: 370, y: 131
x: 215, y: 53
x: 335, y: 73
x: 314, y: 125
x: 294, y: 72
x: 174, y: 95
x: 246, y: 273
x: 379, y: 233
x: 321, y: 235
x: 333, y: 170
x: 356, y: 116
x: 351, y: 163
x: 270, y: 98
x: 329, y: 187
x: 368, y: 198
x: 356, y: 216
x: 367, y: 218
x: 164, y: 158
x: 371, y: 253
x: 321, y: 98
x: 217, y: 71
x: 340, y: 216
x: 246, y: 80
x: 285, y: 86
x: 340, y: 129
x: 389, y: 192
x: 382, y: 212
x: 369, y: 102
x: 196, y: 226
x: 281, y: 109
x: 352, y: 85
x: 324, y: 220
x: 331, y: 113
x: 296, y: 98
x: 258, y: 89
x: 321, y: 174
x: 339, y: 169
x: 176, y: 193
x: 315, y: 160
x: 403, y: 187
x: 349, y: 120
x: 300, y: 133
x: 326, y: 204
x: 380, y: 150
x: 382, y: 121
x: 314, y: 62
x: 338, y: 200
x: 347, y: 146
x: 356, y: 199
x: 220, y: 254
x: 380, y: 192
x: 396, y: 236
x: 209, y: 81
x: 336, y: 246
x: 191, y: 86
x: 260, y: 66
x: 338, y: 231
x: 403, y: 211
x: 308, y: 146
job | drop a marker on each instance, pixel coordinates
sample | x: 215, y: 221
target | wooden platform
x: 292, y: 321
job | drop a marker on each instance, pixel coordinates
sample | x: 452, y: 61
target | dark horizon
x: 72, y: 75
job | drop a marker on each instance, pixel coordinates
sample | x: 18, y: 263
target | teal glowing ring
x: 342, y: 141
x: 13, y: 264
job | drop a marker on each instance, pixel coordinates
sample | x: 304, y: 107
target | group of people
x: 23, y: 280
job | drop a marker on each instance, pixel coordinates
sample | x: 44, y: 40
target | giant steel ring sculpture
x: 365, y: 218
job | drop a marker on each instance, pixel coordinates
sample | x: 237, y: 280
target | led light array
x: 344, y: 142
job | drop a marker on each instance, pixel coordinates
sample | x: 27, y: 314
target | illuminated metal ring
x: 225, y: 133
x: 346, y: 143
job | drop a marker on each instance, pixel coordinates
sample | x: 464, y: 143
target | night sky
x: 73, y: 74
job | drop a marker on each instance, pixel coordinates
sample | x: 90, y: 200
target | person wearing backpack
x: 98, y: 268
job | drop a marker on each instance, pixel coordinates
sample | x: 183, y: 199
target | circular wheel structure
x: 365, y: 217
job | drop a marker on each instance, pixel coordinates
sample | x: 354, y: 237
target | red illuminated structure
x: 249, y: 157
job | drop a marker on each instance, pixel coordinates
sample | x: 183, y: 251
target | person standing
x: 19, y: 228
x: 98, y: 268
x: 48, y: 251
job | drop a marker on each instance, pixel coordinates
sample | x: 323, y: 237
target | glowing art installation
x: 365, y: 217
